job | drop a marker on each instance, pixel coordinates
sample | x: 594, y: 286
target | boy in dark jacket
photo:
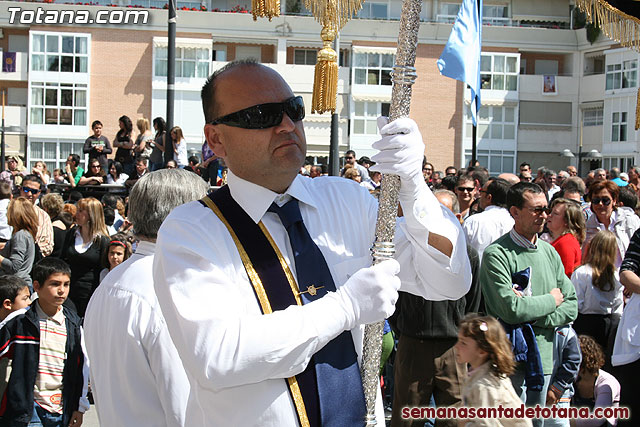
x: 43, y: 386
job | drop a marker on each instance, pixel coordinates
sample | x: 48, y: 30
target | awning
x: 183, y: 42
x: 374, y: 49
x: 595, y: 54
x: 541, y: 10
x: 371, y: 98
x: 594, y: 105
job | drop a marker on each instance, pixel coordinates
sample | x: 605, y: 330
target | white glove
x: 370, y: 295
x: 401, y: 152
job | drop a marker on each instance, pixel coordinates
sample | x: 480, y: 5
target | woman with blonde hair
x: 142, y: 146
x: 40, y: 169
x: 179, y: 147
x: 567, y: 231
x: 599, y: 291
x: 19, y: 253
x: 84, y: 248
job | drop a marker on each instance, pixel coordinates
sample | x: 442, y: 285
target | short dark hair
x: 525, y: 164
x: 628, y: 197
x: 75, y: 159
x: 346, y: 153
x: 193, y: 159
x: 449, y: 182
x: 498, y: 189
x: 110, y: 200
x: 10, y: 286
x: 74, y: 196
x: 208, y: 90
x: 96, y: 123
x: 44, y: 268
x: 515, y: 195
x: 480, y: 174
x: 143, y: 159
x: 33, y: 178
x: 109, y: 215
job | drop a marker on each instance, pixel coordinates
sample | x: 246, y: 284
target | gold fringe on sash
x: 265, y: 8
x: 614, y: 23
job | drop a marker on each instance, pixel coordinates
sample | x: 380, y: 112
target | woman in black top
x: 84, y: 248
x: 157, y: 152
x: 124, y: 143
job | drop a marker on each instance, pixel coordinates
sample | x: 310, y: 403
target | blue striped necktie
x: 338, y: 375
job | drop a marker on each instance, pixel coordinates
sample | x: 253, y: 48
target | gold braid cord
x: 265, y: 8
x: 614, y: 23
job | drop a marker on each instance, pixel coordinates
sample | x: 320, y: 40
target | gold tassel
x: 265, y: 8
x: 325, y: 85
x: 638, y: 110
x: 614, y: 23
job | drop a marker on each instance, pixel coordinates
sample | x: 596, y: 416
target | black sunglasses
x: 604, y: 200
x: 467, y: 189
x: 263, y: 116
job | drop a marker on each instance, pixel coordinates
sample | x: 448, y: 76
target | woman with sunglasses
x: 622, y: 222
x: 466, y: 192
x: 179, y: 147
x: 94, y: 176
x: 84, y: 249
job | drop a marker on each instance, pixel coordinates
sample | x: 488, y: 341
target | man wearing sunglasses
x: 31, y: 189
x: 350, y: 160
x: 266, y: 284
x: 545, y: 297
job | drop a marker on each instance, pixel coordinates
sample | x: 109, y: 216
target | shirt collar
x: 522, y: 241
x: 145, y: 248
x: 255, y: 199
x: 58, y: 317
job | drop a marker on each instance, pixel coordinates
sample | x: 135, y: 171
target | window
x: 491, y: 14
x: 495, y: 14
x: 622, y: 76
x: 365, y: 115
x: 304, y: 56
x: 494, y: 123
x: 373, y: 10
x: 619, y: 126
x: 499, y: 72
x: 373, y: 68
x: 190, y: 62
x: 592, y: 117
x: 624, y: 163
x: 59, y: 53
x: 54, y: 154
x: 58, y: 104
x: 496, y: 161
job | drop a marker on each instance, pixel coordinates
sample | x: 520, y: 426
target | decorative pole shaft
x: 403, y: 76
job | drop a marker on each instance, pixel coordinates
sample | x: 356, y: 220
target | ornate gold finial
x: 325, y: 85
x: 265, y: 8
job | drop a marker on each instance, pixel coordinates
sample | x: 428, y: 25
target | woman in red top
x: 567, y: 229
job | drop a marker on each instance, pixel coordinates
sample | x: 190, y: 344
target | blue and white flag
x: 460, y: 58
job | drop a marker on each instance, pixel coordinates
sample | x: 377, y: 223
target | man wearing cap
x: 266, y: 283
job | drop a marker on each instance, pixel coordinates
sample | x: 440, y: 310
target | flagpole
x: 403, y: 77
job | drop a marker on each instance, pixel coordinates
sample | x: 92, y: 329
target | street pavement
x: 91, y: 418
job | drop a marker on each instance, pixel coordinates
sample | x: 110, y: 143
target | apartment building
x: 545, y: 87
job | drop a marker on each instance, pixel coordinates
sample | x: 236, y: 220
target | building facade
x: 545, y: 87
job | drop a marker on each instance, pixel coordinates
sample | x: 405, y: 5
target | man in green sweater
x: 548, y: 299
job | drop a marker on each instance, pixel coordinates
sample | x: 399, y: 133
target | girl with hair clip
x: 84, y: 249
x: 599, y: 292
x: 483, y: 344
x: 118, y: 251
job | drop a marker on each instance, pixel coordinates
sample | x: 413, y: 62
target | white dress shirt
x: 235, y: 357
x: 136, y: 374
x: 484, y: 228
x: 592, y: 300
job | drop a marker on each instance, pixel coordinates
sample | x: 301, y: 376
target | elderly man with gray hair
x: 137, y: 377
